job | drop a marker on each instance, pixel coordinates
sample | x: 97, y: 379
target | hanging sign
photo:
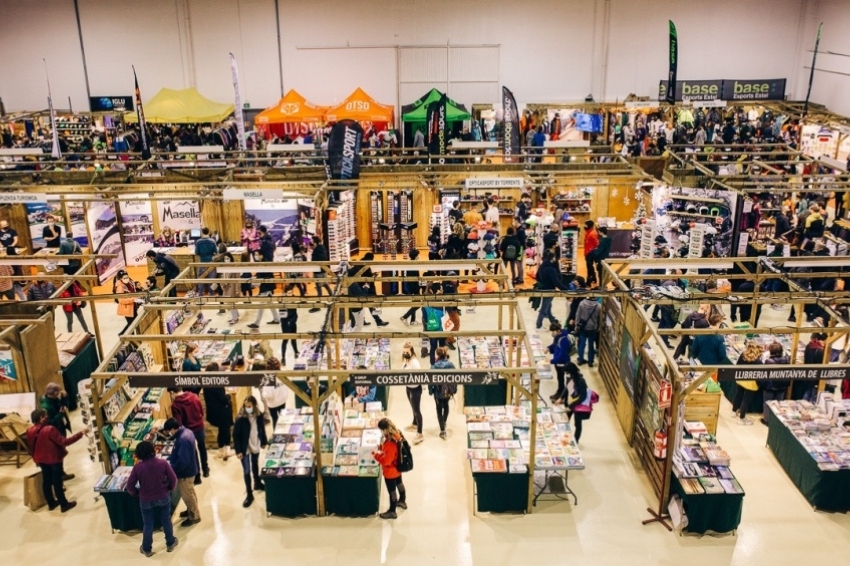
x: 111, y: 103
x: 768, y: 89
x: 245, y: 194
x: 495, y: 183
x: 13, y: 198
x: 179, y: 214
x: 637, y: 104
x: 691, y: 90
x: 201, y: 379
x: 665, y: 395
x: 456, y: 377
x: 784, y: 372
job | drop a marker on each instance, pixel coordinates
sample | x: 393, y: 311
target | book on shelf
x: 711, y: 485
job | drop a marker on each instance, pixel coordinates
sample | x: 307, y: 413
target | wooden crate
x: 705, y: 407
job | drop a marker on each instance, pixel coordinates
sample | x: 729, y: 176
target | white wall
x: 832, y: 82
x: 549, y: 50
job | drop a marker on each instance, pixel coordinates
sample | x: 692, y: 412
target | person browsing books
x: 387, y: 457
x: 155, y: 480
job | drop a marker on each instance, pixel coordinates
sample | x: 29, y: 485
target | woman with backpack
x: 387, y: 457
x: 444, y: 392
x: 577, y: 397
x: 560, y: 348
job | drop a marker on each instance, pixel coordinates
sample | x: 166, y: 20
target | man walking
x: 548, y: 279
x: 185, y: 465
x: 188, y: 411
x: 591, y: 242
x: 267, y: 288
x: 205, y: 249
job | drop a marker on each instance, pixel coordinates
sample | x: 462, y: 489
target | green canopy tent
x: 416, y: 114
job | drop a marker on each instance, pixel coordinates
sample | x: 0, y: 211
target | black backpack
x: 405, y: 456
x: 511, y: 252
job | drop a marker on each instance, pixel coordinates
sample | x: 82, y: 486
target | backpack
x: 447, y: 390
x: 511, y: 252
x: 488, y: 247
x: 405, y: 456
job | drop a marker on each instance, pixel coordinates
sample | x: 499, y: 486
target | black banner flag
x: 344, y: 150
x: 438, y: 128
x: 140, y: 113
x: 674, y: 63
x: 510, y: 121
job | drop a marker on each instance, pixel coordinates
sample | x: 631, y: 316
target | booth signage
x: 692, y: 90
x: 495, y: 183
x: 735, y: 374
x: 111, y: 103
x: 635, y: 104
x: 200, y: 379
x: 772, y: 89
x: 425, y: 378
x: 13, y: 198
x: 246, y: 194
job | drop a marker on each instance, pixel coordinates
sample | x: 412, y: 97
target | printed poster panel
x: 562, y: 125
x: 137, y: 227
x: 628, y: 364
x: 7, y: 366
x: 106, y: 239
x: 280, y: 216
x: 37, y: 216
x: 179, y: 215
x: 77, y: 214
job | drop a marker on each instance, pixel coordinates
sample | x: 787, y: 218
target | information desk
x: 349, y: 496
x: 124, y: 511
x: 485, y: 395
x: 290, y: 496
x: 710, y: 512
x: 84, y: 363
x: 824, y: 490
x: 500, y: 492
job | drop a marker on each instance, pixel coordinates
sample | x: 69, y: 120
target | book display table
x: 710, y: 512
x: 481, y: 353
x: 825, y: 490
x: 124, y: 511
x: 349, y: 496
x: 500, y: 493
x: 290, y: 496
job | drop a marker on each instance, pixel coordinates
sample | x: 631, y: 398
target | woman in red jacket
x: 47, y: 446
x: 74, y: 308
x: 387, y: 457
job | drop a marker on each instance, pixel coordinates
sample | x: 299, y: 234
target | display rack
x: 568, y: 244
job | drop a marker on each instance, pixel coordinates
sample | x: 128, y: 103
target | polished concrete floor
x: 439, y: 527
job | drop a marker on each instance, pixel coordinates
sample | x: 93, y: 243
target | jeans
x: 69, y: 317
x: 189, y: 497
x: 771, y: 396
x: 327, y: 288
x: 414, y: 397
x: 200, y: 436
x: 512, y: 263
x: 249, y: 461
x: 591, y: 273
x: 393, y: 485
x: 275, y: 413
x: 204, y: 288
x: 150, y: 509
x: 275, y: 314
x: 442, y: 412
x: 741, y: 402
x: 587, y: 337
x: 545, y: 311
x: 51, y: 484
x: 129, y: 320
x: 560, y: 370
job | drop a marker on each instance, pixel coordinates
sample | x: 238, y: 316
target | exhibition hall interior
x: 398, y: 283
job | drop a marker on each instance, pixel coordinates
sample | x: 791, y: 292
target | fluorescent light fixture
x: 20, y: 151
x: 295, y: 268
x: 567, y: 143
x: 441, y: 265
x: 8, y: 261
x: 200, y: 149
x: 290, y: 148
x: 833, y: 262
x: 661, y: 263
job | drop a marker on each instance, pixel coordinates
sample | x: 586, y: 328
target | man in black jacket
x: 320, y: 253
x: 548, y: 279
x: 166, y: 266
x: 774, y: 389
x: 601, y: 253
x: 550, y: 240
x: 267, y: 288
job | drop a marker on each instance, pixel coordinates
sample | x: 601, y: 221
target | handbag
x: 448, y: 325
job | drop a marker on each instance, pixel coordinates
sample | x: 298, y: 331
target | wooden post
x: 317, y: 445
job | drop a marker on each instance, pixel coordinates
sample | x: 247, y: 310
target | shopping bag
x: 33, y: 492
x: 448, y: 325
x: 433, y: 322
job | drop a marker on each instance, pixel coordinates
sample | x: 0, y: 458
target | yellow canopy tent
x: 186, y: 106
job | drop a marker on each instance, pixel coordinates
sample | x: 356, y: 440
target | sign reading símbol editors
x: 196, y: 379
x: 783, y: 372
x: 457, y: 377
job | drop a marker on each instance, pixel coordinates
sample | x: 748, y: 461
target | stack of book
x: 820, y: 428
x: 702, y: 466
x: 290, y: 451
x: 372, y: 353
x: 480, y: 352
x: 359, y: 437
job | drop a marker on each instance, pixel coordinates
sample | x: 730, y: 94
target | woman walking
x: 442, y: 393
x: 249, y: 436
x: 414, y: 392
x: 230, y: 288
x: 560, y: 348
x: 156, y: 481
x: 74, y: 308
x: 577, y: 397
x: 746, y: 389
x: 387, y: 457
x: 288, y: 325
x: 219, y: 414
x: 129, y: 307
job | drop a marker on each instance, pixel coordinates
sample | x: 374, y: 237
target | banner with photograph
x: 77, y: 214
x: 179, y: 215
x: 137, y: 227
x: 280, y: 216
x: 561, y: 124
x: 105, y: 239
x: 37, y: 216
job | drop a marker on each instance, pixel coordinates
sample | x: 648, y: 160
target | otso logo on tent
x: 358, y: 105
x: 289, y: 108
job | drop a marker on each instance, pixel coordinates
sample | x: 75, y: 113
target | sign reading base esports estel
x: 767, y: 89
x: 457, y: 377
x: 783, y: 372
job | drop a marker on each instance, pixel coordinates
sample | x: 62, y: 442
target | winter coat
x: 47, y: 445
x: 387, y: 457
x: 242, y: 433
x: 587, y: 316
x: 219, y: 407
x: 183, y: 459
x: 561, y: 348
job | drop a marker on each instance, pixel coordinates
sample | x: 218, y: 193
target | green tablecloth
x: 730, y: 387
x: 825, y: 491
x: 501, y: 493
x: 717, y: 512
x: 125, y: 513
x: 81, y: 368
x: 352, y: 496
x: 290, y: 496
x: 485, y: 395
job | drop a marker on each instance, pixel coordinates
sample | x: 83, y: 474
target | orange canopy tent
x: 293, y: 115
x: 360, y: 107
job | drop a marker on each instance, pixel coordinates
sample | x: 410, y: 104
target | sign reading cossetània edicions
x: 783, y: 372
x: 457, y: 377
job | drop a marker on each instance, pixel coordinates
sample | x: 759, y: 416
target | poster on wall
x: 628, y: 364
x: 307, y: 217
x: 280, y: 216
x: 38, y: 214
x: 179, y: 215
x: 106, y: 239
x: 817, y: 141
x: 7, y: 366
x: 137, y: 227
x: 77, y: 215
x: 562, y: 124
